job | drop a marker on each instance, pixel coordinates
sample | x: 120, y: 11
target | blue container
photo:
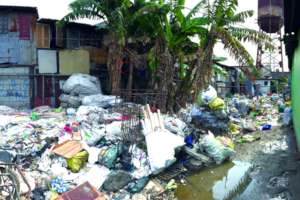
x: 267, y: 127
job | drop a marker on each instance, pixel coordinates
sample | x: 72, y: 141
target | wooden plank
x: 84, y: 191
x: 68, y: 149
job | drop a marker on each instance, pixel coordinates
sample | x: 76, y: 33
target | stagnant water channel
x: 222, y: 182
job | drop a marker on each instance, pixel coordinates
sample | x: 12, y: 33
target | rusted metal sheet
x: 270, y: 15
x: 17, y: 47
x: 262, y: 3
x: 97, y: 55
x: 42, y: 35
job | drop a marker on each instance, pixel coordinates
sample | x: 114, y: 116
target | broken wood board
x: 84, y: 191
x: 68, y: 149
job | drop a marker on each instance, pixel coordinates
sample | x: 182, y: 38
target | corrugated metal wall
x: 17, y: 56
x: 15, y: 87
x: 13, y: 49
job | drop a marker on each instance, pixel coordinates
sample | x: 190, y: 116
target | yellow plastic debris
x: 77, y: 162
x: 217, y: 104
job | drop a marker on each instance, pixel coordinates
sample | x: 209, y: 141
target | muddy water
x: 220, y: 183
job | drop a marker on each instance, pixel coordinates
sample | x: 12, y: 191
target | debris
x: 140, y: 162
x: 138, y: 185
x: 77, y: 162
x: 211, y: 122
x: 102, y: 101
x: 108, y: 156
x: 59, y: 185
x: 116, y: 180
x: 209, y: 95
x: 266, y: 127
x: 217, y: 104
x: 82, y: 84
x: 194, y: 164
x: 95, y: 176
x: 161, y: 144
x: 215, y: 149
x: 248, y: 138
x: 171, y: 185
x: 139, y: 197
x: 85, y: 191
x: 198, y: 156
x: 287, y: 116
x: 68, y: 149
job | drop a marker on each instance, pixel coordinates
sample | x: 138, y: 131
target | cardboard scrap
x: 84, y: 191
x: 68, y: 149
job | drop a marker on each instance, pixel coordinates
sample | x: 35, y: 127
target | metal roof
x: 23, y: 9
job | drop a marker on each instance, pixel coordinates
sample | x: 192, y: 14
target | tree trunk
x: 198, y: 77
x: 114, y: 65
x: 164, y: 75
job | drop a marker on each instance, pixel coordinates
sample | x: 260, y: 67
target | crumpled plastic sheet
x: 140, y: 161
x: 176, y: 126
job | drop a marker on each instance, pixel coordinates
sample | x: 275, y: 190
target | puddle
x: 220, y: 183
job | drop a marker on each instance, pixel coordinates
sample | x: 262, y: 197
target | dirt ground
x: 276, y: 166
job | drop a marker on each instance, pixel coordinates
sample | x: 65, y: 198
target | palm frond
x: 250, y: 35
x: 235, y: 48
x: 241, y: 17
x: 84, y: 9
x: 231, y: 7
x: 195, y: 10
x: 179, y: 3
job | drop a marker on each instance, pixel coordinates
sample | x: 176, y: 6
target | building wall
x: 42, y: 35
x: 74, y: 61
x: 16, y: 39
x: 265, y: 86
x: 15, y: 87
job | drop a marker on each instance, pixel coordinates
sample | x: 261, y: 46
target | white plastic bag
x: 209, y: 95
x: 161, y: 147
x: 82, y: 84
x: 100, y: 100
x: 95, y: 176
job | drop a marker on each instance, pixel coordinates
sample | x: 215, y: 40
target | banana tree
x: 225, y: 27
x: 112, y: 12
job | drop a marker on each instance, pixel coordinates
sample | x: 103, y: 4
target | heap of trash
x: 79, y: 151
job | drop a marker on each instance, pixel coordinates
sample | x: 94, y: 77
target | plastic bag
x: 161, y: 147
x: 77, y: 162
x: 82, y: 84
x: 108, y: 156
x: 95, y: 176
x: 100, y: 100
x: 217, y: 104
x: 287, y: 116
x: 209, y: 95
x: 175, y: 125
x: 216, y: 149
x: 140, y: 162
x: 138, y: 185
x: 70, y: 101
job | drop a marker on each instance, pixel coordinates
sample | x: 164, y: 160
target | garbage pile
x: 239, y: 116
x: 83, y: 89
x: 79, y: 151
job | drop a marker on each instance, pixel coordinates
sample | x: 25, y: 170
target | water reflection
x: 219, y: 183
